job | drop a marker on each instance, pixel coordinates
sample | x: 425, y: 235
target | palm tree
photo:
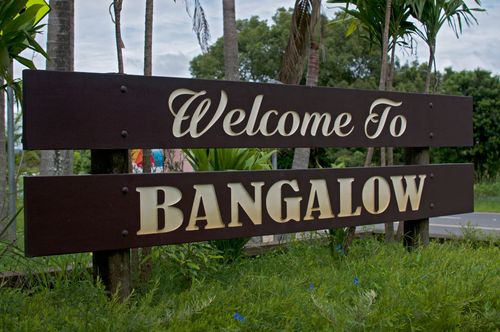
x: 231, y: 64
x: 432, y: 14
x: 305, y: 16
x: 60, y: 49
x: 301, y: 155
x: 115, y: 10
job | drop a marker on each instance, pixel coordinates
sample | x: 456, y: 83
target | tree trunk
x: 231, y: 63
x: 146, y: 267
x: 432, y: 50
x: 148, y: 68
x: 383, y: 64
x: 148, y: 39
x: 60, y: 49
x: 117, y: 9
x: 301, y: 155
x: 385, y: 47
x: 3, y: 166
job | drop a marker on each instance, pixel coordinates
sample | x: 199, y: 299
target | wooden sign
x: 102, y: 212
x: 65, y: 110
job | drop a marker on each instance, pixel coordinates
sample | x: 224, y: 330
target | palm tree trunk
x: 385, y: 47
x: 3, y: 165
x: 432, y: 50
x: 383, y: 65
x: 231, y: 63
x: 60, y: 49
x: 301, y: 155
x: 148, y: 59
x: 117, y: 9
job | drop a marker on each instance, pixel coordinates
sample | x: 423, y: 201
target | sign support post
x: 416, y: 232
x: 112, y: 266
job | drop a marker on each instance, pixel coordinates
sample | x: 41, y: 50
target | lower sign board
x: 70, y: 214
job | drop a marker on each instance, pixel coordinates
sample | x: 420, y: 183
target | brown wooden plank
x: 102, y: 212
x: 65, y: 110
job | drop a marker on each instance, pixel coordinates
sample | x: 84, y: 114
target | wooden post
x: 416, y: 232
x: 112, y: 267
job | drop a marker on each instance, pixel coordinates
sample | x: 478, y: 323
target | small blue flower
x: 356, y: 281
x: 340, y: 249
x: 238, y: 317
x: 311, y: 286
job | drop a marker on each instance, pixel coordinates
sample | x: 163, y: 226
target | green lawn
x: 378, y: 287
x: 487, y: 196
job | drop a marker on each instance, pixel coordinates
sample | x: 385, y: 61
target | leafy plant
x: 223, y: 160
x: 193, y: 261
x: 19, y: 23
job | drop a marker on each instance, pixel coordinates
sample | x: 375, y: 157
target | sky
x: 175, y: 44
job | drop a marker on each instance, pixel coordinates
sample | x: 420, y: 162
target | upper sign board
x: 64, y: 110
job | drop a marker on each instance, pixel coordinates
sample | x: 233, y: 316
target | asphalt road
x: 455, y: 225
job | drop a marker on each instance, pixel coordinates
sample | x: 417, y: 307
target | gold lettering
x: 148, y: 202
x: 411, y: 192
x: 346, y: 198
x: 319, y: 190
x: 205, y: 193
x: 282, y: 122
x: 228, y: 122
x: 274, y: 198
x: 252, y: 207
x: 368, y: 195
x: 316, y: 118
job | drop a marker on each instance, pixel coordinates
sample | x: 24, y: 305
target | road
x: 448, y: 226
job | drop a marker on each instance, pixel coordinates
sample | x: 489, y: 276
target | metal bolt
x: 431, y: 105
x: 123, y: 89
x: 124, y: 133
x: 125, y: 190
x: 431, y: 135
x: 432, y: 205
x: 431, y: 175
x: 124, y: 233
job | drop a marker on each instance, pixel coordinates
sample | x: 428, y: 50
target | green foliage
x: 345, y: 63
x: 484, y: 88
x: 487, y: 196
x: 192, y: 262
x: 228, y: 159
x: 81, y: 162
x: 19, y: 23
x: 378, y: 287
x: 224, y: 160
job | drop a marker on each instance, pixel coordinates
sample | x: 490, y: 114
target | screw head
x: 123, y: 89
x: 431, y: 175
x: 124, y: 133
x: 125, y: 190
x: 431, y: 105
x: 124, y: 233
x: 431, y: 135
x: 432, y: 205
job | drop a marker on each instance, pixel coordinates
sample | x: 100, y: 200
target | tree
x: 231, y: 63
x: 484, y: 88
x: 148, y: 68
x: 60, y: 49
x: 19, y: 24
x: 432, y: 14
x: 301, y: 155
x: 115, y: 9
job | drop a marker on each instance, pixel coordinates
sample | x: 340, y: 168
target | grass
x: 487, y: 196
x: 451, y: 286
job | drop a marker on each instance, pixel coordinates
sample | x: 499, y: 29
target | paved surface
x: 447, y: 226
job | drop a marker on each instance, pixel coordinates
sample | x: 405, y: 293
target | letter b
x: 149, y: 210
